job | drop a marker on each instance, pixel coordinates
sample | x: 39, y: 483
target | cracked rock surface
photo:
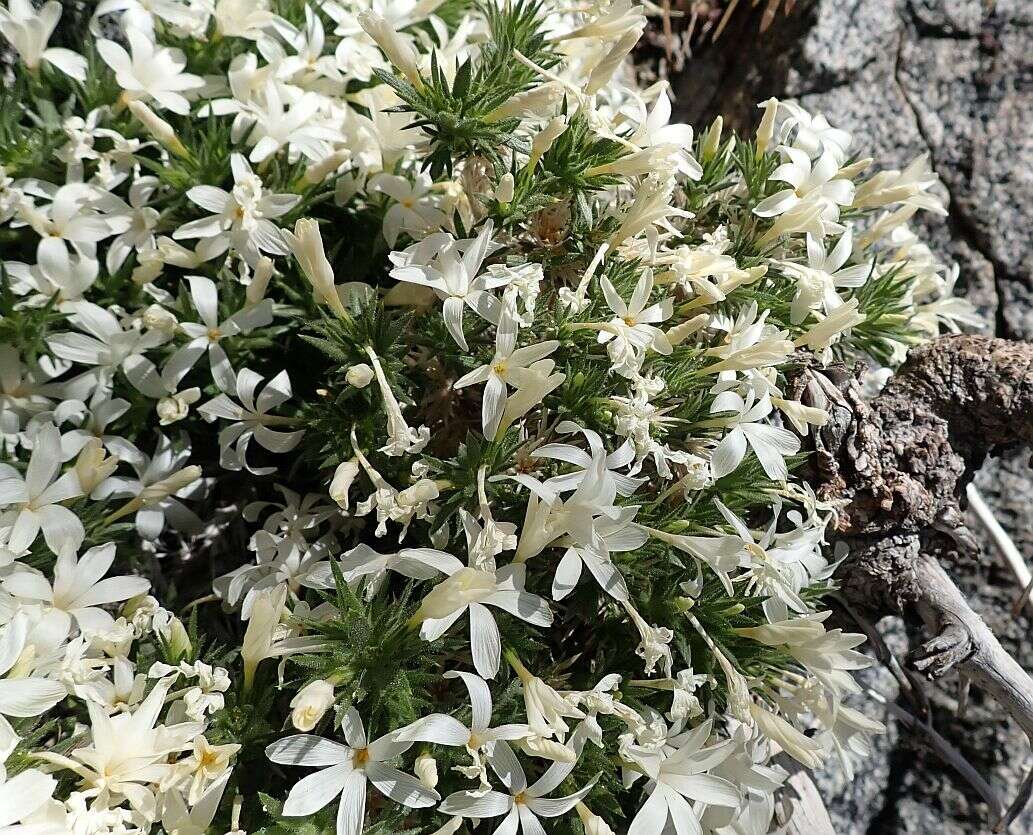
x: 954, y: 79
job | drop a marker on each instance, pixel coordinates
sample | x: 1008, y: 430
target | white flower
x: 151, y: 72
x: 479, y: 738
x: 677, y: 775
x: 654, y: 644
x: 58, y: 274
x: 109, y: 346
x: 34, y: 501
x: 401, y: 438
x: 415, y: 209
x: 909, y: 187
x: 474, y: 590
x: 817, y: 181
x: 28, y: 29
x: 818, y: 281
x: 244, y: 18
x: 265, y: 637
x: 811, y: 133
x: 251, y: 419
x: 286, y: 117
x: 454, y: 277
x: 520, y: 804
x: 633, y: 329
x: 241, y: 217
x: 400, y: 506
x: 78, y: 590
x: 546, y: 709
x: 525, y: 369
x: 127, y: 754
x: 771, y: 444
x: 142, y: 221
x: 829, y: 328
x: 207, y: 335
x: 416, y: 563
x: 75, y: 215
x: 345, y: 771
x: 161, y: 481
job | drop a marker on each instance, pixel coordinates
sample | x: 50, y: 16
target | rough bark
x: 898, y: 465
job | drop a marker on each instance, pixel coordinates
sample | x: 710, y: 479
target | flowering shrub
x: 396, y: 425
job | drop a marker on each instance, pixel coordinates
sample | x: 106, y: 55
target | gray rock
x: 954, y: 79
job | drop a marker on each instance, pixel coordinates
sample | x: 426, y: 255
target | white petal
x: 485, y: 643
x: 401, y: 787
x: 352, y: 811
x: 24, y: 697
x: 480, y: 698
x: 728, y: 454
x: 305, y: 749
x: 312, y: 793
x: 23, y: 794
x: 471, y: 805
x: 652, y: 817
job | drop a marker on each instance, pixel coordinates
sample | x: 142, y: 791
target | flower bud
x: 427, y: 770
x: 360, y: 375
x: 175, y: 407
x: 306, y: 244
x: 176, y: 638
x: 712, y: 139
x: 310, y: 703
x: 543, y: 140
x: 264, y: 271
x: 93, y: 465
x: 504, y: 192
x: 767, y: 125
x: 158, y: 318
x: 172, y: 484
x: 594, y: 825
x: 397, y: 49
x: 342, y: 481
x: 319, y: 171
x: 158, y: 128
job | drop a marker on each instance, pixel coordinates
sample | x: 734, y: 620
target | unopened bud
x: 319, y: 171
x: 679, y: 333
x: 543, y: 140
x: 93, y: 465
x: 594, y: 825
x: 342, y: 481
x: 767, y: 125
x: 712, y: 139
x: 397, y: 49
x: 158, y: 318
x: 177, y: 640
x: 311, y: 702
x: 158, y: 128
x: 175, y: 407
x: 360, y: 375
x: 264, y: 271
x: 505, y: 190
x: 427, y: 770
x: 172, y: 484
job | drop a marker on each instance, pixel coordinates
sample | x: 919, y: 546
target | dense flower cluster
x: 440, y: 387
